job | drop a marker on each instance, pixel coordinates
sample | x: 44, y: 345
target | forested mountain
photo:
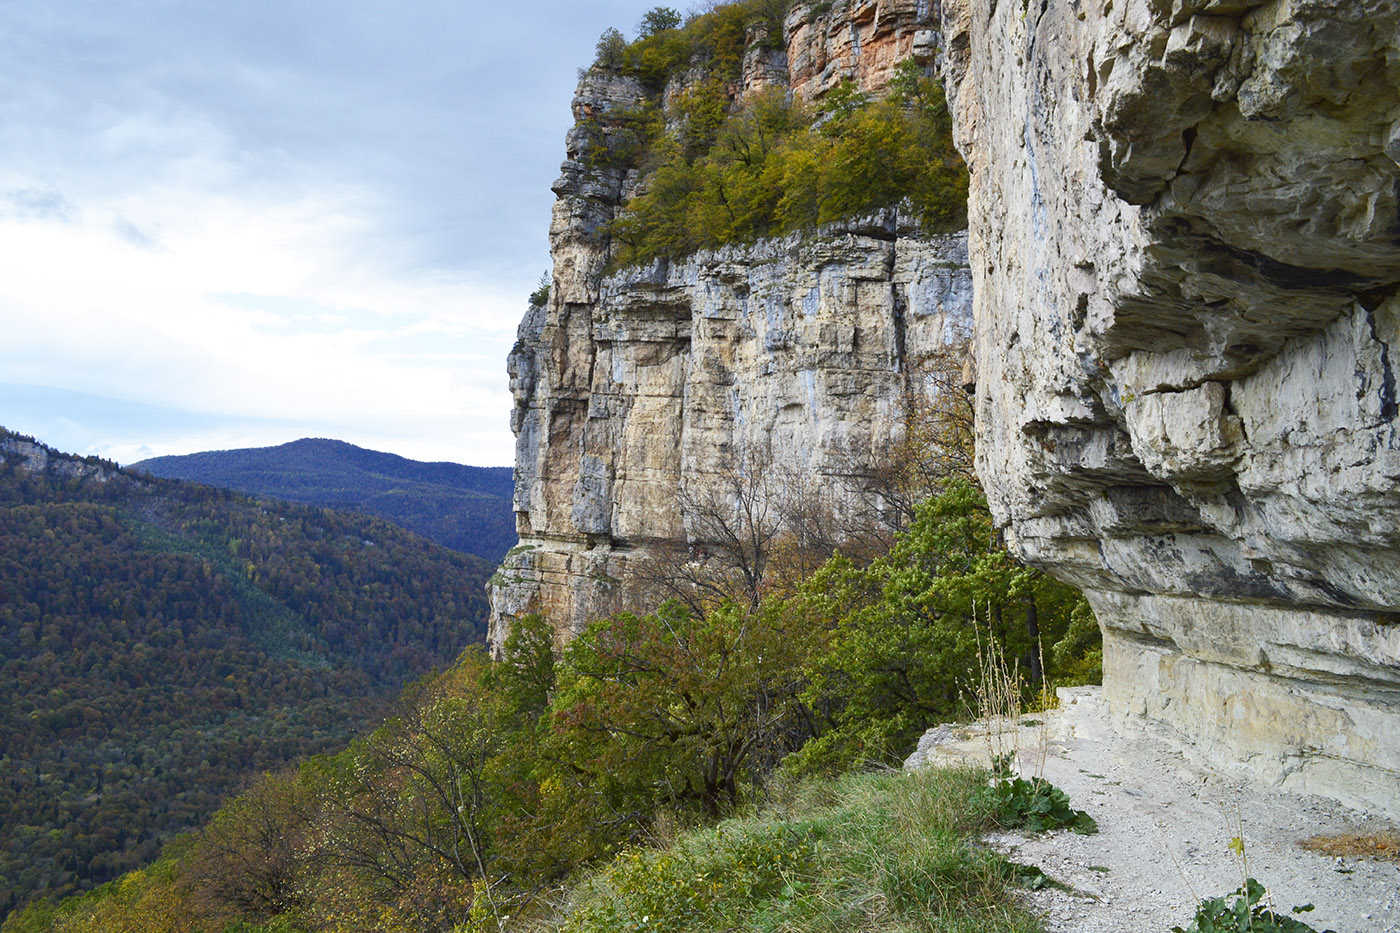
x: 162, y: 641
x: 462, y: 507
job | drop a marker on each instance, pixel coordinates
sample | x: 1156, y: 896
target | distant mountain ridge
x: 466, y: 508
x: 162, y: 640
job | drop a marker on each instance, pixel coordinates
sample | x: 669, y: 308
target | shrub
x: 903, y: 649
x: 1246, y: 913
x: 1034, y: 805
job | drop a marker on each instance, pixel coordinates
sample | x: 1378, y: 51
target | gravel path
x: 1165, y: 827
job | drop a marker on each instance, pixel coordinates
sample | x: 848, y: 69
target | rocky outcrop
x: 860, y: 40
x: 1186, y: 253
x: 26, y: 455
x: 635, y: 388
x: 799, y: 347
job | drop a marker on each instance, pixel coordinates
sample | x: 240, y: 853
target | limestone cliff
x: 39, y: 460
x: 635, y: 387
x: 1184, y: 239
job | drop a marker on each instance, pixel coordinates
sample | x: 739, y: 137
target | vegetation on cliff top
x: 160, y: 641
x: 724, y: 173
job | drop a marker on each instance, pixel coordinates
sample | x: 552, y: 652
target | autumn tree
x: 934, y: 449
x: 732, y: 521
x: 248, y: 861
x: 404, y: 827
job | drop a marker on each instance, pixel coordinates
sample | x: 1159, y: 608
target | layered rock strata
x: 1186, y: 257
x: 642, y: 389
x: 668, y: 380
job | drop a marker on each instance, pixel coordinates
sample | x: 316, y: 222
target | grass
x: 890, y: 852
x: 1382, y: 846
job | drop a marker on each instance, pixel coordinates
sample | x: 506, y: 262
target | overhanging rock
x: 1186, y: 251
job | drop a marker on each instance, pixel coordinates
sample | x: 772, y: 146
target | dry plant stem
x: 1195, y: 898
x: 1042, y: 735
x: 998, y: 697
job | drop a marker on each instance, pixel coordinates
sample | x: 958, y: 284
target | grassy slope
x: 861, y: 852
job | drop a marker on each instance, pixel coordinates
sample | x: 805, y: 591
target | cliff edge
x: 1183, y: 237
x: 643, y: 389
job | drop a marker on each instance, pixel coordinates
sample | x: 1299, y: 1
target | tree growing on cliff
x: 658, y: 19
x: 609, y: 52
x: 732, y: 525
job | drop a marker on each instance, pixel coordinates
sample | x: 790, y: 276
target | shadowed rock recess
x: 1185, y: 252
x: 633, y: 387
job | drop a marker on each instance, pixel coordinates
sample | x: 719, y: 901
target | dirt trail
x: 1165, y: 827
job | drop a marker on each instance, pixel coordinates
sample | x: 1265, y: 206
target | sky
x: 237, y: 224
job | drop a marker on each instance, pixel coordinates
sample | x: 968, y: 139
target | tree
x: 247, y: 862
x: 679, y: 708
x: 935, y: 449
x: 610, y: 50
x: 405, y: 828
x: 904, y: 631
x: 658, y: 19
x: 732, y: 522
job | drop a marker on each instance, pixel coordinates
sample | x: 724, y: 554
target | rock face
x: 29, y: 456
x: 858, y: 39
x: 635, y: 388
x: 1186, y: 257
x: 674, y: 372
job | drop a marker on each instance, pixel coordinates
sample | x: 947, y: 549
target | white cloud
x: 90, y: 306
x: 236, y: 224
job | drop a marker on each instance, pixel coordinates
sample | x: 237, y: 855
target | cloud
x: 268, y: 311
x: 37, y: 204
x: 133, y: 234
x: 253, y: 218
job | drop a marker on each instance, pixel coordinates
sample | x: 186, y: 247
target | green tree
x: 611, y: 48
x: 905, y: 630
x: 679, y: 708
x: 658, y: 19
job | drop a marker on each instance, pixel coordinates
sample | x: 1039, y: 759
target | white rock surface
x: 1186, y: 253
x: 800, y: 346
x: 1165, y: 820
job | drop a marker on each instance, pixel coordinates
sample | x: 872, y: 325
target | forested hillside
x: 538, y: 792
x: 160, y: 642
x: 494, y: 784
x: 465, y: 508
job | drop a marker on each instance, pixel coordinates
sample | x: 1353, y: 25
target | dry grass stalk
x: 998, y: 697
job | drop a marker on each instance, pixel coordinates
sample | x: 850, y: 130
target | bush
x: 1245, y: 914
x: 903, y: 649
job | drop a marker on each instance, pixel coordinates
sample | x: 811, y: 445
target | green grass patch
x: 860, y: 852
